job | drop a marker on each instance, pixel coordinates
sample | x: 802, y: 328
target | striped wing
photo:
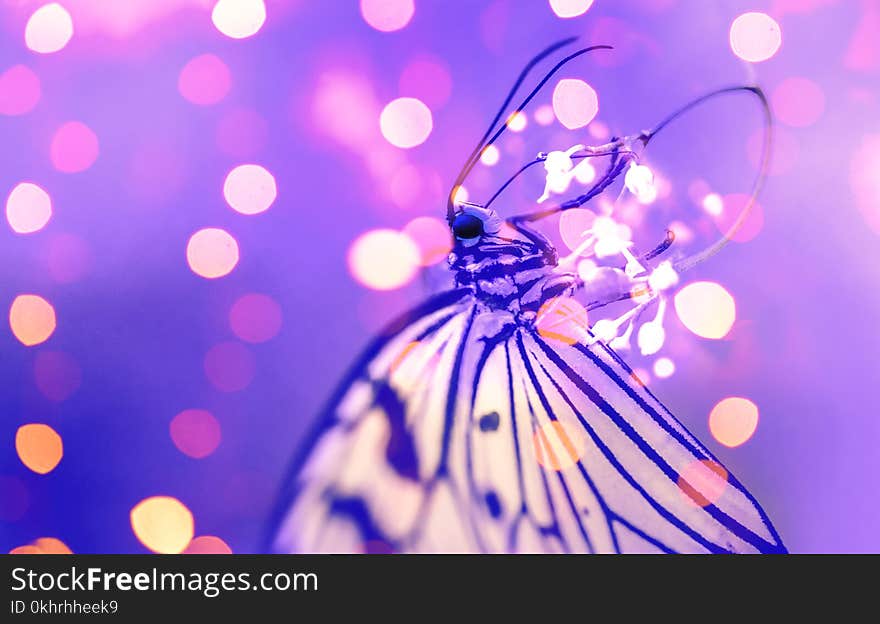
x: 371, y: 476
x: 464, y: 431
x: 634, y: 479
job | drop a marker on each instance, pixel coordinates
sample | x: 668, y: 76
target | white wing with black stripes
x: 464, y: 430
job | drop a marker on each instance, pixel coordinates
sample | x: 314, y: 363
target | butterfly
x: 492, y: 418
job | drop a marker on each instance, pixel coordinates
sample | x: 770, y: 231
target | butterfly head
x: 472, y: 222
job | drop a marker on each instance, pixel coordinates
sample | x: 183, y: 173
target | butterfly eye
x: 467, y: 226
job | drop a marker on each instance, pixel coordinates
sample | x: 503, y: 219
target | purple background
x: 139, y: 322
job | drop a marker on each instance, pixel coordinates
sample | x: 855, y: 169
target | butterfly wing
x: 370, y: 476
x: 623, y: 457
x: 462, y: 430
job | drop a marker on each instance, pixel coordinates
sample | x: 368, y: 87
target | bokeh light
x: 163, y: 524
x: 19, y: 90
x: 230, y: 366
x: 575, y: 103
x: 43, y: 546
x: 255, y: 318
x: 702, y: 482
x: 599, y: 130
x: 239, y: 19
x: 207, y: 545
x: 387, y: 15
x: 195, y: 432
x: 428, y: 79
x: 558, y: 446
x: 460, y: 194
x: 28, y: 208
x: 344, y: 107
x: 713, y: 204
x: 563, y: 319
x: 74, y: 147
x: 32, y: 319
x: 433, y: 238
x: 664, y: 367
x: 250, y: 189
x: 406, y: 122
x: 49, y: 29
x: 212, y: 253
x: 204, y: 80
x: 544, y: 115
x: 755, y: 37
x: 384, y: 259
x: 490, y: 156
x: 798, y: 102
x: 52, y: 546
x: 733, y: 421
x: 517, y: 122
x: 570, y: 8
x: 39, y: 447
x: 706, y: 309
x: 57, y: 375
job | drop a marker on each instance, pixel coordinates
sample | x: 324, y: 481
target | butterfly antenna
x: 763, y: 165
x: 483, y: 143
x: 510, y: 180
x: 541, y: 158
x: 511, y: 93
x: 617, y: 166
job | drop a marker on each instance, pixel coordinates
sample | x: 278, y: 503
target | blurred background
x: 211, y: 207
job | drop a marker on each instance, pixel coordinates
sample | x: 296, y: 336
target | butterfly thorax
x: 513, y: 275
